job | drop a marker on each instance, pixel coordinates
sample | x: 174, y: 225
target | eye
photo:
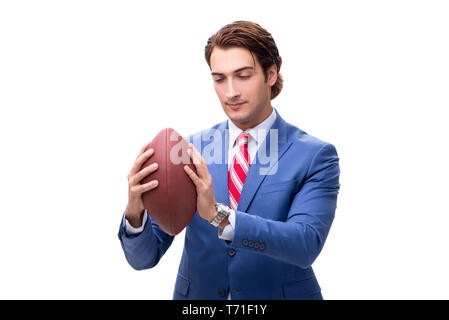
x: 244, y: 77
x: 218, y: 80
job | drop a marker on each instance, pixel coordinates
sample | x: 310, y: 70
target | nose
x: 231, y: 91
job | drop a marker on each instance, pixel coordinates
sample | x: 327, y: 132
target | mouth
x: 235, y: 106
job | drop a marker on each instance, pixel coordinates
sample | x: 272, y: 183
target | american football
x: 172, y: 204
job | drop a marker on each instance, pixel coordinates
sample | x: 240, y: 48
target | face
x: 241, y: 87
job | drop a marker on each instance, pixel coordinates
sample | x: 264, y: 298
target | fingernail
x: 150, y: 150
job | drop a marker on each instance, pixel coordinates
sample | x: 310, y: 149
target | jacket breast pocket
x: 278, y: 186
x: 302, y: 289
x: 182, y: 285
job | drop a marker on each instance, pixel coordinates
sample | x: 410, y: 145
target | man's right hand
x: 135, y: 209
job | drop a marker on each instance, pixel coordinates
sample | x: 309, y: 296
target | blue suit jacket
x: 282, y: 221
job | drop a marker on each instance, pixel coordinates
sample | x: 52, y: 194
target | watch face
x: 223, y: 210
x: 221, y: 207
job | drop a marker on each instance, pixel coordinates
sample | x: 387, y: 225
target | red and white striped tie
x: 238, y: 171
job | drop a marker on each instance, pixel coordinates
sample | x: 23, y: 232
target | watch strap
x: 221, y: 215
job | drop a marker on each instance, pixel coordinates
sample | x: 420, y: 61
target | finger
x: 140, y: 160
x: 142, y: 174
x: 194, y: 154
x: 142, y: 150
x: 192, y: 175
x: 198, y: 161
x: 141, y: 188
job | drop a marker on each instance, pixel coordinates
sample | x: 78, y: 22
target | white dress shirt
x: 256, y: 137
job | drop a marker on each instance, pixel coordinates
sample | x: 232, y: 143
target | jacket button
x: 262, y: 246
x: 231, y: 252
x: 256, y: 245
x: 221, y: 293
x: 245, y: 242
x: 250, y: 244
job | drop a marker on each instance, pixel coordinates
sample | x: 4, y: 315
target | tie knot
x: 243, y: 138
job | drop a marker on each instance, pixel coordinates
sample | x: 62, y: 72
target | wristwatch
x: 223, y: 211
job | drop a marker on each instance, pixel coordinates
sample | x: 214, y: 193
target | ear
x: 272, y: 74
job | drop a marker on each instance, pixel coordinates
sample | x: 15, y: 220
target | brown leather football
x: 172, y: 204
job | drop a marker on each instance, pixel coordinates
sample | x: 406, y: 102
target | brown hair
x: 257, y: 40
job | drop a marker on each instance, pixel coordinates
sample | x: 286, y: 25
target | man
x: 260, y: 223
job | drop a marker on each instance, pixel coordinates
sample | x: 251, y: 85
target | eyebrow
x: 235, y: 71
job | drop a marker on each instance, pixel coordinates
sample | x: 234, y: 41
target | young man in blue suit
x: 267, y: 199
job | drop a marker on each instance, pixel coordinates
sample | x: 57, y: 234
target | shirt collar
x: 258, y: 133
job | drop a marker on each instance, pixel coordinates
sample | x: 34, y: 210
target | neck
x: 264, y: 116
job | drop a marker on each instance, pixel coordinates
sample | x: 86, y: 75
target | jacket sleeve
x: 144, y: 250
x: 300, y: 238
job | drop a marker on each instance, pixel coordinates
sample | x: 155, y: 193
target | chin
x: 236, y: 115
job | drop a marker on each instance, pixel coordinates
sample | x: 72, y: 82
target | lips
x: 235, y: 106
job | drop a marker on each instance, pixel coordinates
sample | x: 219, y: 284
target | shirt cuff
x: 228, y: 232
x: 130, y: 230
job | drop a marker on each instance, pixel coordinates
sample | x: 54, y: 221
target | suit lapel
x: 219, y: 171
x: 256, y: 175
x: 258, y: 171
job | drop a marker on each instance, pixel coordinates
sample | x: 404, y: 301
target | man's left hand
x: 203, y: 182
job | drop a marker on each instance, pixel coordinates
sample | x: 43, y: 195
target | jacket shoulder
x: 304, y: 142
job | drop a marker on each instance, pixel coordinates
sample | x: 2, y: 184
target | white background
x: 84, y: 84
